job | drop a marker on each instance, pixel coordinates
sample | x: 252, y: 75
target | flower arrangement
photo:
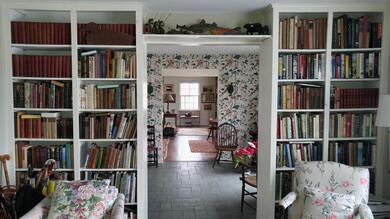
x: 245, y: 155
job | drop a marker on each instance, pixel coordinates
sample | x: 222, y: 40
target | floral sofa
x: 329, y: 177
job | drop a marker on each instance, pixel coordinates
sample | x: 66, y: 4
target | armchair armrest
x: 288, y: 199
x: 41, y: 210
x: 365, y: 212
x: 118, y: 210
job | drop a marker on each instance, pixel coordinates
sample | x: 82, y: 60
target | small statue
x: 100, y: 37
x: 148, y: 27
x: 202, y: 27
x: 253, y: 28
x: 180, y: 29
x: 225, y: 31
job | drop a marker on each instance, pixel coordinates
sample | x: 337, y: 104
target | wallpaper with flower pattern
x: 239, y: 108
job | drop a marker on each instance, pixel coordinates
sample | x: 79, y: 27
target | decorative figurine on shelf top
x: 100, y: 37
x: 225, y: 31
x: 202, y: 27
x: 180, y: 29
x: 205, y: 28
x: 256, y: 28
x: 148, y: 26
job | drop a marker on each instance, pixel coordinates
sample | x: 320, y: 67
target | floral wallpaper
x: 238, y: 108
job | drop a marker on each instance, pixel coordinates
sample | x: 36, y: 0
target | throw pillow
x: 82, y: 199
x: 328, y: 205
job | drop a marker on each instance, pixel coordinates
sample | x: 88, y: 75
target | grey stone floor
x: 194, y: 190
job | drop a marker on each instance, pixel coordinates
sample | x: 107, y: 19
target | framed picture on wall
x: 207, y: 98
x: 207, y: 107
x: 168, y: 88
x: 207, y: 89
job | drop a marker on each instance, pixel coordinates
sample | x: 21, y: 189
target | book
x: 27, y: 32
x: 342, y: 98
x: 300, y: 96
x: 55, y: 66
x: 288, y: 153
x: 301, y: 66
x: 344, y: 125
x: 356, y: 65
x: 359, y: 153
x: 112, y: 28
x: 300, y: 125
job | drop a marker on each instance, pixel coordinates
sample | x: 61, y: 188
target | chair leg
x: 216, y: 158
x: 156, y: 158
x: 210, y: 134
x: 219, y: 158
x: 231, y: 152
x: 242, y: 196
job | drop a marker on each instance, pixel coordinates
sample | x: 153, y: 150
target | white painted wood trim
x: 190, y: 72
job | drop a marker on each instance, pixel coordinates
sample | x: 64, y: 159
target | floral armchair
x: 329, y: 177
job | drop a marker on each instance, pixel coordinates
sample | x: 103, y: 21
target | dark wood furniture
x: 213, y: 127
x: 152, y: 149
x: 169, y: 115
x: 226, y: 141
x: 250, y: 180
x: 194, y: 118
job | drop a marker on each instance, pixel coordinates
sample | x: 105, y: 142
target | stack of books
x: 356, y: 65
x: 41, y: 66
x: 108, y: 126
x: 36, y: 155
x: 352, y: 125
x: 297, y: 33
x: 288, y: 153
x: 107, y: 64
x: 301, y: 66
x: 356, y: 32
x: 115, y: 96
x: 23, y: 178
x: 117, y: 28
x: 283, y: 184
x: 118, y: 155
x: 54, y: 94
x: 24, y: 32
x: 300, y: 96
x: 342, y: 98
x: 300, y: 125
x: 44, y: 125
x: 352, y: 153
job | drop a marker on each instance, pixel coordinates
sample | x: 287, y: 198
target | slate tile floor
x: 194, y: 190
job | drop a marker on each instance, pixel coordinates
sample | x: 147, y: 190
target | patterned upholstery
x: 328, y: 176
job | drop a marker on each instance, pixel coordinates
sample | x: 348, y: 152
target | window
x: 189, y: 96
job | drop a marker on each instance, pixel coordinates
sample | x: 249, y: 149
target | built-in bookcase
x: 78, y: 103
x: 326, y: 80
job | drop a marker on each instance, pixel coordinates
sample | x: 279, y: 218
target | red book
x: 67, y: 34
x: 51, y: 65
x: 44, y: 33
x: 52, y: 32
x: 13, y: 32
x: 15, y: 65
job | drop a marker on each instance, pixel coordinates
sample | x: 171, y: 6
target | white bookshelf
x: 80, y: 12
x: 269, y: 82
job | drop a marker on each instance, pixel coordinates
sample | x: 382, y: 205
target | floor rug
x: 193, y: 131
x: 165, y: 148
x: 202, y: 146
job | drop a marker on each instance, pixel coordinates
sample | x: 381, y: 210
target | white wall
x: 203, y: 81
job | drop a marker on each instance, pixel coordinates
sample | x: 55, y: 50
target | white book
x: 121, y: 126
x: 133, y: 96
x: 88, y: 53
x: 50, y: 115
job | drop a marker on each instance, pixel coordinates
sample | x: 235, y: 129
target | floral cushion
x: 82, y: 199
x: 328, y: 205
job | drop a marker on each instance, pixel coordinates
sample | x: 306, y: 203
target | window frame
x: 182, y: 103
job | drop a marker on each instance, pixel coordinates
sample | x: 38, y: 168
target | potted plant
x: 247, y: 155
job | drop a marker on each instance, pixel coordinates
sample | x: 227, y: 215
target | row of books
x: 44, y: 125
x: 300, y: 96
x: 352, y: 153
x: 352, y: 125
x: 356, y: 65
x: 126, y: 182
x: 108, y: 96
x: 118, y: 155
x: 297, y: 33
x: 107, y: 64
x: 342, y: 98
x: 356, y: 32
x: 25, y: 32
x: 108, y: 126
x: 287, y: 153
x: 301, y: 66
x: 23, y: 178
x: 41, y: 66
x: 128, y: 29
x: 283, y: 184
x: 38, y: 94
x: 36, y: 155
x: 300, y: 125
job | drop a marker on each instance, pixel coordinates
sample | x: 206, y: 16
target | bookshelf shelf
x: 355, y: 80
x: 285, y: 168
x: 41, y: 79
x: 133, y: 203
x: 107, y: 140
x: 45, y: 139
x: 354, y: 110
x: 353, y: 139
x: 109, y: 170
x: 197, y: 40
x: 356, y: 50
x: 114, y: 47
x: 299, y: 110
x: 302, y: 50
x: 107, y: 110
x: 300, y: 80
x: 41, y: 46
x: 38, y: 169
x: 43, y: 109
x: 109, y: 79
x: 300, y: 140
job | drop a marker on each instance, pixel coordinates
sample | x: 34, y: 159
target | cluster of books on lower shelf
x: 38, y: 94
x: 352, y: 153
x: 36, y: 155
x: 344, y: 125
x: 283, y: 184
x: 356, y: 65
x: 107, y: 64
x: 300, y: 96
x: 297, y: 33
x: 126, y: 182
x: 41, y: 66
x: 108, y: 126
x: 43, y: 125
x: 128, y: 29
x: 342, y: 98
x: 24, y: 32
x: 288, y: 153
x: 300, y: 125
x: 23, y: 178
x: 359, y: 32
x: 108, y: 96
x: 118, y: 155
x: 301, y: 66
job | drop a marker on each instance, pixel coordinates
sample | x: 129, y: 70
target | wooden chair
x: 226, y: 141
x: 213, y: 127
x: 250, y: 180
x: 152, y: 149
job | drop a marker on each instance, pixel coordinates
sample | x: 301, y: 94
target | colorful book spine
x: 288, y: 153
x: 300, y: 96
x: 356, y: 65
x: 359, y: 153
x: 344, y: 125
x: 300, y: 125
x: 301, y: 66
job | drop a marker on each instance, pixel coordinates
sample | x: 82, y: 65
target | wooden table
x: 170, y: 115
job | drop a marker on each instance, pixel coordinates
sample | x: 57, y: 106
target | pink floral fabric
x: 82, y: 199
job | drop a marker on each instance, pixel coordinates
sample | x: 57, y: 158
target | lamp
x: 383, y: 114
x: 169, y: 99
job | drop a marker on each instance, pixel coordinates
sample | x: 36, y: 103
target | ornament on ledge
x: 100, y: 37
